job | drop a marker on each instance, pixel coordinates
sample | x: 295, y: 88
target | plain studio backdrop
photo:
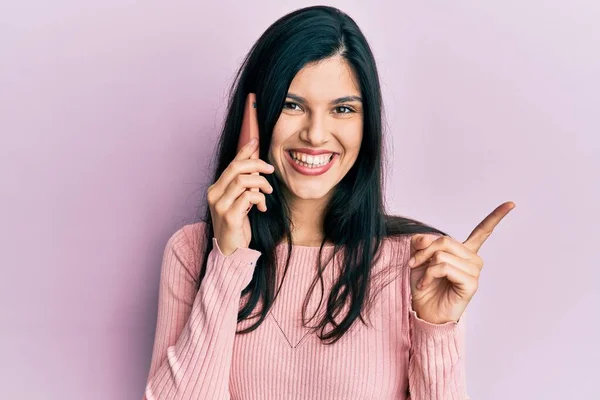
x: 109, y: 112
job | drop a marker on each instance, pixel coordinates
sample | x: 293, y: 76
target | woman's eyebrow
x: 344, y: 99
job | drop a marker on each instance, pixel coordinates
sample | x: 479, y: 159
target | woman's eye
x: 348, y: 109
x: 290, y: 106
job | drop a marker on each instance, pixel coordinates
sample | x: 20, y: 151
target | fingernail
x: 253, y: 141
x: 411, y: 262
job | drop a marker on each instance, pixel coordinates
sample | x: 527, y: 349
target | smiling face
x: 323, y: 113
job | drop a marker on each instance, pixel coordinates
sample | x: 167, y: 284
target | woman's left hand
x: 451, y: 277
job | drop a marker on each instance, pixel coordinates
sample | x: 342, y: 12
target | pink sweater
x: 197, y: 354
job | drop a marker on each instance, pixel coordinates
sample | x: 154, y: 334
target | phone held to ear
x: 249, y: 128
x: 249, y: 123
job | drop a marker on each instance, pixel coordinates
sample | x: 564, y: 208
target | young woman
x: 310, y: 294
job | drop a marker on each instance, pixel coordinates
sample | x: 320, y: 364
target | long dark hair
x: 355, y: 218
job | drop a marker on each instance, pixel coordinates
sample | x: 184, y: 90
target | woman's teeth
x: 311, y: 161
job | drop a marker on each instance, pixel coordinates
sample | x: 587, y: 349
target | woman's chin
x: 309, y: 192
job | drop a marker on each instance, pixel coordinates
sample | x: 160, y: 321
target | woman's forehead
x: 325, y: 81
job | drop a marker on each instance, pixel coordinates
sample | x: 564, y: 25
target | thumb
x: 421, y: 241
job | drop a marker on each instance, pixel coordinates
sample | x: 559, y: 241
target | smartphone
x: 249, y: 128
x: 249, y: 124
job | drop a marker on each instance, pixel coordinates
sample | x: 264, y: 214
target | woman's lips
x: 310, y: 171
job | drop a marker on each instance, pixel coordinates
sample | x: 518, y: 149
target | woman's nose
x: 316, y: 132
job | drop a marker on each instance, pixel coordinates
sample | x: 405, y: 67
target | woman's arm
x: 195, y: 331
x: 437, y: 367
x: 436, y: 360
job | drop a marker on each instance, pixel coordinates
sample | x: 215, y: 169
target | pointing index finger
x: 485, y: 228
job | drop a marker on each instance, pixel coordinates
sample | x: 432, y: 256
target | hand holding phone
x: 238, y: 188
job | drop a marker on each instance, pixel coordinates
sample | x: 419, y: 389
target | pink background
x: 109, y: 112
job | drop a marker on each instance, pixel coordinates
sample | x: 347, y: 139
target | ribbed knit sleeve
x: 436, y: 369
x: 195, y: 331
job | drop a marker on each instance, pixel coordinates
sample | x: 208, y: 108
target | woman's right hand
x: 231, y: 197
